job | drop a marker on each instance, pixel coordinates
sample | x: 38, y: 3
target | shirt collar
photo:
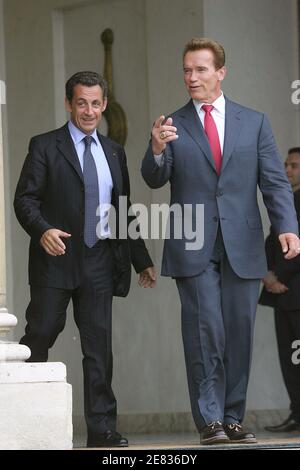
x: 77, y: 135
x: 218, y: 104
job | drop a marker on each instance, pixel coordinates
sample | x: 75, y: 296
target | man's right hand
x: 162, y: 134
x: 52, y: 243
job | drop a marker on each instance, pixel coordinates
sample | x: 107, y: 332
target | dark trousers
x: 92, y: 304
x: 218, y: 313
x: 287, y: 325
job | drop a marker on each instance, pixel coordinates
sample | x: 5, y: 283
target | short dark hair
x: 85, y: 78
x: 196, y: 44
x: 294, y: 150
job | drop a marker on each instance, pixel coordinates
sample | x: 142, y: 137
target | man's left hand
x: 269, y: 279
x: 290, y: 245
x: 147, y: 278
x: 277, y: 288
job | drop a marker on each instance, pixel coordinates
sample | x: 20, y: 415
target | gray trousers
x: 218, y: 313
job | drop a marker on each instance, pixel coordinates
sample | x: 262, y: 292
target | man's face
x: 292, y: 168
x: 86, y: 107
x: 201, y: 78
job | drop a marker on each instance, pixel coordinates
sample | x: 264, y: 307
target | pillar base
x: 36, y: 406
x: 7, y: 321
x: 10, y: 351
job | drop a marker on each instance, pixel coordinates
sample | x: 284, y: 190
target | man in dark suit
x: 282, y: 292
x: 70, y: 177
x: 215, y: 152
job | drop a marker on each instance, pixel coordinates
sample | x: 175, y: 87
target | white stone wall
x: 260, y: 39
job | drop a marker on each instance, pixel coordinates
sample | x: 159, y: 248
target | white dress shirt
x: 218, y: 113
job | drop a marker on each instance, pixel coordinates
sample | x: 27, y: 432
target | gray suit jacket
x: 250, y: 159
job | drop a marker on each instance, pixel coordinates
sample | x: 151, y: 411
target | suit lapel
x: 111, y: 155
x: 192, y: 124
x: 66, y: 146
x: 233, y: 123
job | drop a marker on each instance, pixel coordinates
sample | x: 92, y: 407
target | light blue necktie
x: 91, y: 186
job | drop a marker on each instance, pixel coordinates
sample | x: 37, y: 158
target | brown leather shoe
x: 238, y: 435
x: 213, y: 433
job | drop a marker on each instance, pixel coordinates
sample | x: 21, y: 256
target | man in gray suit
x: 215, y: 152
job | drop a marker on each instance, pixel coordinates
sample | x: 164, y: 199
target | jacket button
x: 219, y: 193
x: 216, y: 219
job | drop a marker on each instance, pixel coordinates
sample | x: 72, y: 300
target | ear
x: 222, y: 73
x: 68, y: 105
x: 104, y: 104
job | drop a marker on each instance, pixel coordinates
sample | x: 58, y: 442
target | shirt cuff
x: 159, y: 159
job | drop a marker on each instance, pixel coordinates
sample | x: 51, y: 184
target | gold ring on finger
x: 162, y: 135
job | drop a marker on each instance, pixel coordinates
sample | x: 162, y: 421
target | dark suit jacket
x: 50, y: 194
x: 287, y: 271
x: 250, y: 159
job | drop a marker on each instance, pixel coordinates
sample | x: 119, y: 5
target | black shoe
x: 288, y: 425
x: 213, y: 433
x: 238, y: 435
x: 107, y: 439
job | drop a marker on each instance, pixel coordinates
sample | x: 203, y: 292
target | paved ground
x: 191, y: 441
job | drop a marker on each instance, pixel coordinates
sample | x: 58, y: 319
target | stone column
x: 2, y: 226
x: 36, y: 400
x: 9, y: 351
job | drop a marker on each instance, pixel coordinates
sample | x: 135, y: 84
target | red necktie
x: 213, y: 136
